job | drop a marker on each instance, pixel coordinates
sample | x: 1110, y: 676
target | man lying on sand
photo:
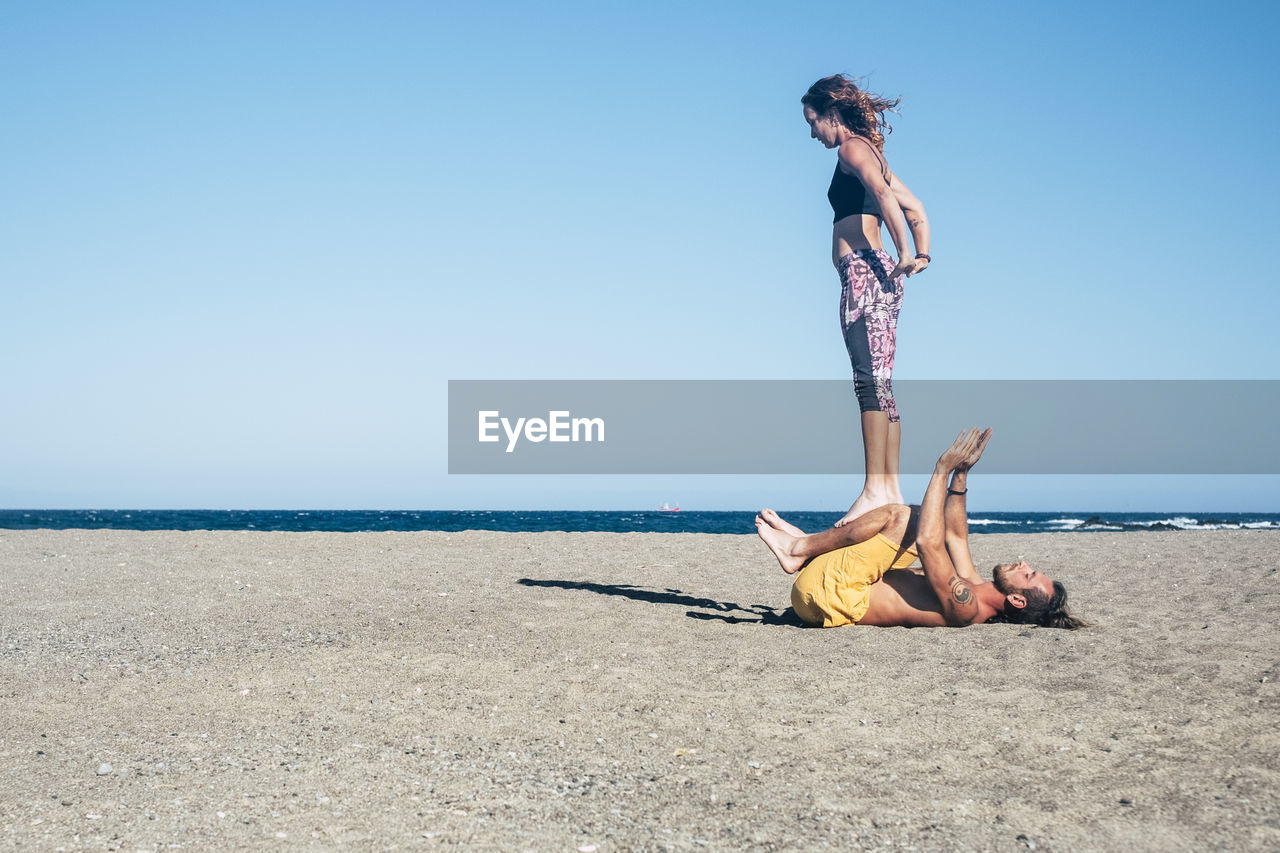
x: 857, y: 574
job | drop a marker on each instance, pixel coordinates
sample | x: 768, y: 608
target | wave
x: 1177, y: 522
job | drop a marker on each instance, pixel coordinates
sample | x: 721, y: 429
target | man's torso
x: 903, y: 597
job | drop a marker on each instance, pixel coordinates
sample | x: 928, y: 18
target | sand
x: 593, y: 691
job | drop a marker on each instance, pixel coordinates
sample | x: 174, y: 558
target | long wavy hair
x: 1047, y: 611
x: 859, y: 110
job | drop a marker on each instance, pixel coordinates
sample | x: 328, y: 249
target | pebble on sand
x: 104, y: 769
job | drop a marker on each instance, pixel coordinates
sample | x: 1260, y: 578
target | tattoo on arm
x: 915, y: 223
x: 962, y: 598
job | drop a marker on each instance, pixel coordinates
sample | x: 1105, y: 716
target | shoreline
x: 691, y: 521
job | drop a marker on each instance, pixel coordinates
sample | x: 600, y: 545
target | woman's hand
x: 908, y: 266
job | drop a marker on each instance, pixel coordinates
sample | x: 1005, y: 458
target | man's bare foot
x: 779, y: 543
x: 864, y: 504
x: 775, y: 520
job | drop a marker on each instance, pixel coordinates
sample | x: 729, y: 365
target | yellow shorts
x: 835, y: 588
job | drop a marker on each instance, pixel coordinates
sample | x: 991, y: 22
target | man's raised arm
x: 957, y: 513
x: 955, y: 593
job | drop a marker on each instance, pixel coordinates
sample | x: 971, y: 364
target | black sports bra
x: 848, y: 195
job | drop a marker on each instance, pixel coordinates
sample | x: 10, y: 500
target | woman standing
x: 864, y: 193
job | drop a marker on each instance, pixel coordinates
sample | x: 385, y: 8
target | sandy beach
x: 599, y: 692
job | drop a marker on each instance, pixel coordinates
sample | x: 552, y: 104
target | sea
x: 637, y: 521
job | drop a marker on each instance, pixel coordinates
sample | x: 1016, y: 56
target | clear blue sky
x: 243, y: 246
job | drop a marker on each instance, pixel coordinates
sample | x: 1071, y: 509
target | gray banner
x: 812, y: 427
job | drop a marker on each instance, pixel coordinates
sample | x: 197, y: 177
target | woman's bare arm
x: 858, y: 157
x: 917, y: 219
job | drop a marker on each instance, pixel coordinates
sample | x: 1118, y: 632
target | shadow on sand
x: 759, y: 613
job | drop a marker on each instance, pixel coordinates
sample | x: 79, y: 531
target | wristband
x: 954, y: 492
x: 923, y: 256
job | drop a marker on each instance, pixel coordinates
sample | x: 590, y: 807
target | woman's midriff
x: 854, y: 232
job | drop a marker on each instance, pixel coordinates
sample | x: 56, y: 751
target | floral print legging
x: 869, y: 306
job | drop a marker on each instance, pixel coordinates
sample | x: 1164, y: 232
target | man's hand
x: 972, y: 459
x: 965, y: 445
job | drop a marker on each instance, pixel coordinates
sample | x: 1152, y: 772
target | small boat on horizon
x: 668, y: 508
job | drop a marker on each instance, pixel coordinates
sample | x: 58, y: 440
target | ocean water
x: 638, y: 521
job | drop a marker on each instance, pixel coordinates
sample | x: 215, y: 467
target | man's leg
x: 894, y: 521
x: 779, y: 522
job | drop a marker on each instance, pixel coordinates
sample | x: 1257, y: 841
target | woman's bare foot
x: 864, y: 504
x: 779, y: 543
x: 775, y: 520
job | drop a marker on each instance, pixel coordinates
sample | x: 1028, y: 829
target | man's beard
x: 1000, y: 577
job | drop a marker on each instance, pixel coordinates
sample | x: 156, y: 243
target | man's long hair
x: 1047, y: 611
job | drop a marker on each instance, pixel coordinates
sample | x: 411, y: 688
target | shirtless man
x: 857, y: 573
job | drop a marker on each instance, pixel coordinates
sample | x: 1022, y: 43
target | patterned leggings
x: 869, y: 306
